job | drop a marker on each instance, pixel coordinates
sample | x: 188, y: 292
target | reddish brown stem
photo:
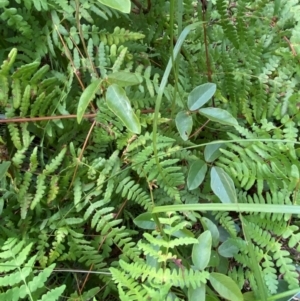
x: 200, y: 129
x: 32, y: 119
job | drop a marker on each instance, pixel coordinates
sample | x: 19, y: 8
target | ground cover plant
x: 149, y: 150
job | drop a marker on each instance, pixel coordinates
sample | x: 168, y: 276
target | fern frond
x: 229, y: 29
x: 7, y: 64
x: 176, y: 278
x: 40, y: 190
x: 26, y: 71
x: 133, y: 290
x: 54, y: 164
x: 54, y: 294
x: 118, y: 61
x: 134, y: 192
x: 15, y: 135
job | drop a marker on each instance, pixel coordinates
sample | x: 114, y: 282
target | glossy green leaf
x: 214, y: 260
x: 219, y: 115
x: 86, y: 97
x: 250, y: 296
x: 212, y: 298
x: 202, y: 250
x: 184, y: 124
x: 223, y: 265
x: 145, y: 221
x: 196, y: 174
x: 209, y: 225
x: 123, y: 79
x: 181, y: 233
x: 196, y: 294
x: 123, y: 6
x: 119, y: 104
x: 225, y: 287
x: 222, y: 185
x: 4, y: 166
x: 228, y: 249
x: 212, y: 152
x: 201, y: 95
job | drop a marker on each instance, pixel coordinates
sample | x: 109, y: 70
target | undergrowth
x: 149, y: 150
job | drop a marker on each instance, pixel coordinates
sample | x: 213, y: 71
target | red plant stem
x: 31, y: 119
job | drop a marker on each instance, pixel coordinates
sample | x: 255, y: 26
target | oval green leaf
x: 222, y: 185
x: 196, y: 294
x: 86, y: 97
x: 4, y: 166
x: 184, y: 124
x: 219, y: 115
x: 201, y: 95
x: 123, y: 79
x: 211, y: 298
x: 202, y: 250
x: 209, y: 225
x: 250, y: 296
x: 123, y: 6
x: 145, y: 221
x: 180, y: 233
x: 225, y: 287
x: 228, y: 249
x: 119, y: 104
x: 212, y: 152
x: 196, y: 174
x: 214, y: 259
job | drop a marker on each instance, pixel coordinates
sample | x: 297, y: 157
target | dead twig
x: 33, y: 119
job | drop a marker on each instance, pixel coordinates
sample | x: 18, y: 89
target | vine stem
x: 32, y: 119
x: 81, y: 153
x: 200, y: 129
x: 3, y: 118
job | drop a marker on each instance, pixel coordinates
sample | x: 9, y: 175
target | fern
x: 79, y: 196
x: 19, y: 271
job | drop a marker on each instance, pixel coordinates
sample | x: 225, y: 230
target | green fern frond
x: 170, y: 244
x: 7, y: 64
x: 40, y: 190
x: 269, y: 273
x: 18, y: 267
x: 284, y: 263
x: 229, y: 29
x: 26, y: 71
x: 53, y: 294
x: 54, y: 164
x: 133, y: 290
x: 227, y: 222
x: 15, y: 135
x: 176, y: 278
x: 134, y: 192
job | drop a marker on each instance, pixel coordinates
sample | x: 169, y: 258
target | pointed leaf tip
x: 196, y: 174
x: 184, y: 124
x: 225, y: 286
x: 219, y: 115
x: 202, y: 250
x: 86, y: 97
x: 123, y: 6
x: 222, y: 185
x: 201, y: 95
x: 118, y: 102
